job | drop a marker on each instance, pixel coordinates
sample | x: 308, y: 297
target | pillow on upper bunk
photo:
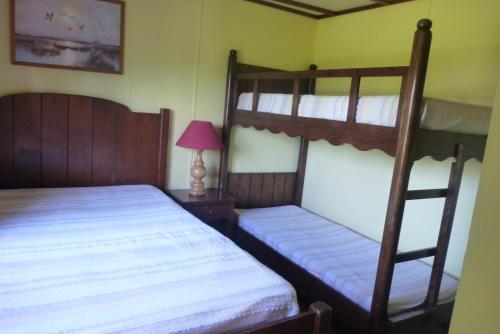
x: 439, y: 115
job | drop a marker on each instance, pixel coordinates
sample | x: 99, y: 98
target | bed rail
x: 316, y: 320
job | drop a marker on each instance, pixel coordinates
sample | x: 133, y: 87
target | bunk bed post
x: 227, y: 125
x: 402, y: 167
x: 310, y: 88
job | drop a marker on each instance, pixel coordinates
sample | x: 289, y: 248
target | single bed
x: 340, y: 257
x: 89, y: 243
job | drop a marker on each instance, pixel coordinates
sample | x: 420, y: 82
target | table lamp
x: 199, y: 135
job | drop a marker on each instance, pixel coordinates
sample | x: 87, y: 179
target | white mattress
x: 341, y: 258
x: 377, y: 110
x: 125, y: 259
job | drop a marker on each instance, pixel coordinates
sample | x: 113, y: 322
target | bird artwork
x: 49, y: 16
x: 69, y: 33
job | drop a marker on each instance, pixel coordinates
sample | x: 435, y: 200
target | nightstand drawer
x: 210, y: 212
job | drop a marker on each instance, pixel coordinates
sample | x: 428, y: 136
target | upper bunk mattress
x: 377, y: 110
x: 341, y: 258
x: 125, y: 259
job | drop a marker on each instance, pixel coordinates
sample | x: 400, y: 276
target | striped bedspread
x: 341, y: 258
x: 125, y: 259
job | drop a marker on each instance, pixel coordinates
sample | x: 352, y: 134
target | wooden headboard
x: 62, y: 140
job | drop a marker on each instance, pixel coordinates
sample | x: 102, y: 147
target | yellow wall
x: 175, y: 57
x: 352, y: 187
x: 476, y: 308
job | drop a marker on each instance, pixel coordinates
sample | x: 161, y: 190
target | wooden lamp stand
x: 198, y: 172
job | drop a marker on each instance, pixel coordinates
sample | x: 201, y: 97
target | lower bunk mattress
x: 341, y: 258
x: 125, y: 259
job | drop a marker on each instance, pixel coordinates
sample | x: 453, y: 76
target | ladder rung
x: 426, y: 193
x: 415, y: 255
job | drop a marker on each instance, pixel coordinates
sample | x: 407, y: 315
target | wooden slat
x: 301, y: 171
x: 148, y: 130
x: 397, y: 71
x: 80, y: 138
x: 54, y: 140
x: 27, y: 140
x: 7, y: 140
x: 162, y: 148
x: 126, y: 148
x: 266, y: 197
x: 415, y: 255
x: 279, y: 189
x: 104, y: 143
x: 295, y: 98
x: 255, y: 190
x: 255, y: 96
x: 353, y: 99
x: 289, y: 191
x: 426, y: 194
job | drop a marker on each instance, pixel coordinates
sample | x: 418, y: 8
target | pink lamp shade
x: 200, y: 135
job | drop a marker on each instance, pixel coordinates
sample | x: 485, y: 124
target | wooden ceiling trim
x: 285, y: 5
x: 352, y: 10
x: 307, y: 6
x: 285, y: 8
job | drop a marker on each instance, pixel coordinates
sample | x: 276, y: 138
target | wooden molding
x: 294, y: 6
x: 307, y: 6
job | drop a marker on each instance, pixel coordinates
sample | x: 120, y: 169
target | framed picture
x: 84, y: 35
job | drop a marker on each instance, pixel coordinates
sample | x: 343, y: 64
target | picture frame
x: 68, y: 34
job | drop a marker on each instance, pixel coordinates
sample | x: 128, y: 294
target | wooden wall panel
x: 59, y: 140
x: 104, y: 143
x: 147, y: 144
x: 260, y: 190
x: 126, y: 148
x: 267, y: 188
x: 7, y: 141
x: 54, y: 140
x: 27, y: 140
x: 80, y: 134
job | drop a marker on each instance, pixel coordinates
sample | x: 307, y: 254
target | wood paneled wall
x: 60, y: 140
x: 261, y: 190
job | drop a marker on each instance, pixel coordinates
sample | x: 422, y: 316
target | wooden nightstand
x: 216, y: 208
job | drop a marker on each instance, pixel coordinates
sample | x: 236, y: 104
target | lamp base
x: 198, y: 172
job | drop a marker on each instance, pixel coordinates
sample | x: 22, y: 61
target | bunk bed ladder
x: 440, y: 250
x: 408, y: 124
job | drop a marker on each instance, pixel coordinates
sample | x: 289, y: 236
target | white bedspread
x: 339, y: 257
x: 125, y: 259
x: 378, y: 110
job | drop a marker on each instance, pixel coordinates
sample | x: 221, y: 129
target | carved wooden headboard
x: 62, y: 140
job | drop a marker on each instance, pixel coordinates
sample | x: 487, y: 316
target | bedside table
x: 215, y: 208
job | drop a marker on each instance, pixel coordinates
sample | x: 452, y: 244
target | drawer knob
x: 210, y: 211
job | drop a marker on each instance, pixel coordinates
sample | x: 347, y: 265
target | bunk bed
x: 280, y: 101
x: 90, y: 243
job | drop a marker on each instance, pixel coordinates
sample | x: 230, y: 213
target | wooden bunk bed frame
x: 62, y: 140
x: 406, y: 142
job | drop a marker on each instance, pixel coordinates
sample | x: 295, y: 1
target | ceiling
x: 320, y: 9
